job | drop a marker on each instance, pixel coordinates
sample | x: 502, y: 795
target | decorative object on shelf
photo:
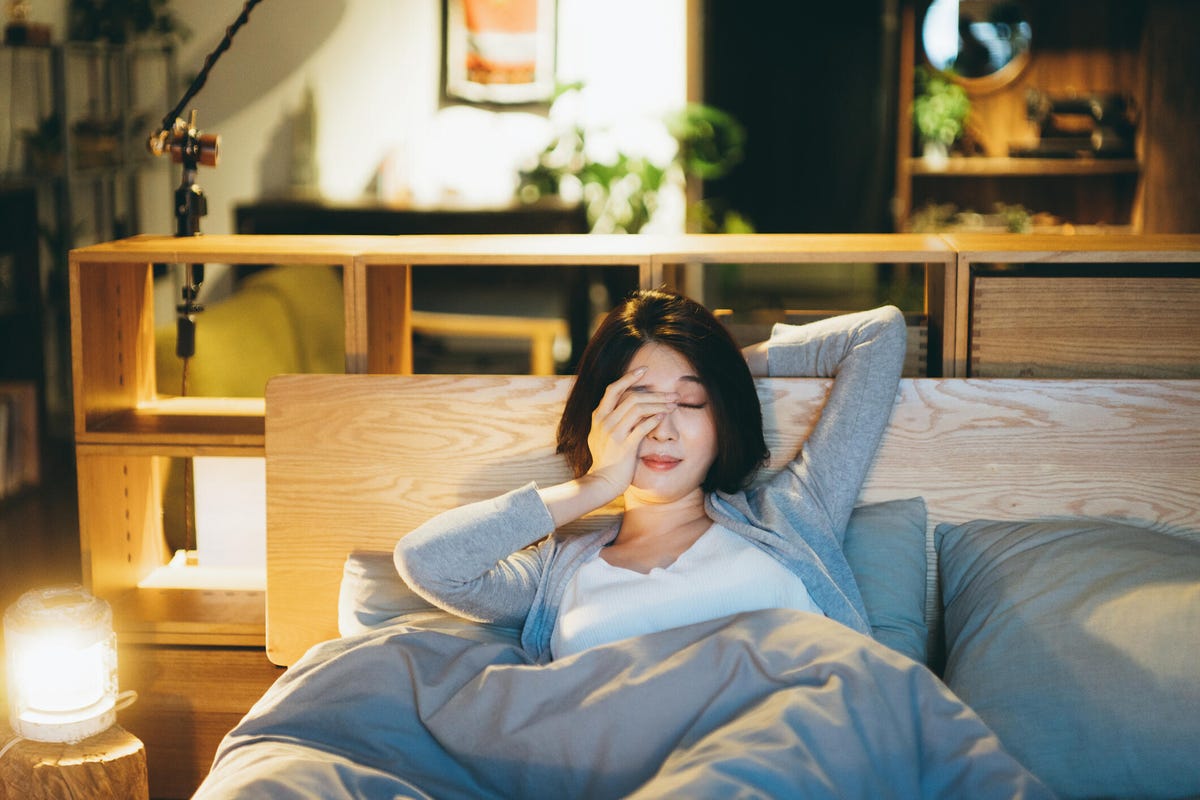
x: 97, y: 142
x: 940, y: 109
x: 303, y: 175
x: 44, y: 146
x: 500, y: 53
x: 62, y: 665
x: 119, y: 22
x: 982, y: 45
x: 20, y: 30
x: 623, y: 177
x: 1077, y: 125
x: 1006, y: 218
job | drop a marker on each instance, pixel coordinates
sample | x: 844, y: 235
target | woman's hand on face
x: 621, y: 420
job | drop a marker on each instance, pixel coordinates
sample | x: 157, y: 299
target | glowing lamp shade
x: 62, y: 665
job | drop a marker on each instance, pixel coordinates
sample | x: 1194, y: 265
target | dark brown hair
x: 692, y: 331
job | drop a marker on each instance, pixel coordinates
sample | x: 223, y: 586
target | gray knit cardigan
x: 500, y: 560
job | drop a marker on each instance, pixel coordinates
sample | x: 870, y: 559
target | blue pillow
x: 1078, y: 642
x: 885, y: 545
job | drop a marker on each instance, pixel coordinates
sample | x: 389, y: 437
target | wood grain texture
x: 355, y: 461
x: 112, y: 339
x: 1046, y: 248
x: 108, y: 766
x: 1031, y: 327
x: 188, y: 699
x: 509, y: 250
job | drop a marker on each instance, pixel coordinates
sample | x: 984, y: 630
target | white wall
x: 373, y: 67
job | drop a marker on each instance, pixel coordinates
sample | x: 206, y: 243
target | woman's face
x: 676, y: 455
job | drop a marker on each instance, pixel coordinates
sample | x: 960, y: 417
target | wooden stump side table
x: 108, y: 766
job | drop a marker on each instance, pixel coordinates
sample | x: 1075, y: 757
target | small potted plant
x: 940, y: 109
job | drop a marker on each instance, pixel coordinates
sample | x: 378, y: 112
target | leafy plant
x: 711, y: 142
x: 940, y: 107
x: 621, y: 190
x: 937, y: 217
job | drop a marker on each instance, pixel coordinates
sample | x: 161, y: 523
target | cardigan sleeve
x: 864, y: 353
x: 476, y: 560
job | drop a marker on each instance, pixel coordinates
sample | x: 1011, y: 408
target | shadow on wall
x: 290, y: 169
x: 274, y: 43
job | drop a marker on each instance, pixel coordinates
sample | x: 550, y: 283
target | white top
x: 719, y: 575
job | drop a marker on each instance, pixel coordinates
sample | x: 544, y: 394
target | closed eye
x: 691, y: 405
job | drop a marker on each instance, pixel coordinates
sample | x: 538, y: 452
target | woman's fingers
x: 636, y: 409
x: 631, y: 411
x: 614, y: 391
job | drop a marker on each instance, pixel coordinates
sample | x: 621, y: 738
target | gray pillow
x: 885, y: 545
x: 372, y: 593
x: 1078, y: 642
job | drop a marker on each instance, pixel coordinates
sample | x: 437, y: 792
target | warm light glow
x: 58, y: 676
x: 62, y: 665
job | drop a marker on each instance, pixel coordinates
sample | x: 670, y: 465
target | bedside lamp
x: 62, y: 665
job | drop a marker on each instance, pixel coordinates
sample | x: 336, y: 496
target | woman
x: 664, y: 414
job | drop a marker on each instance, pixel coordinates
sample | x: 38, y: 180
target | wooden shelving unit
x: 124, y: 427
x: 1077, y: 48
x: 184, y: 641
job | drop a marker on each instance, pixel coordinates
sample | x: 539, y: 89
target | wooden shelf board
x: 216, y: 421
x: 802, y: 248
x: 500, y: 250
x: 1090, y: 249
x: 224, y: 248
x: 566, y: 249
x: 517, y: 249
x: 999, y: 167
x: 154, y: 615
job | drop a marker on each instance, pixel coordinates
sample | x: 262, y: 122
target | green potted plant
x: 940, y: 110
x: 621, y: 190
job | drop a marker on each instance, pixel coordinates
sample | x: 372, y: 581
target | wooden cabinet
x: 1079, y: 49
x: 1077, y: 307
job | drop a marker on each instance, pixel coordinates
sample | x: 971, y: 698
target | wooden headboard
x: 355, y: 461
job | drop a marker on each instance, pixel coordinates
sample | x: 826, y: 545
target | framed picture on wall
x: 499, y: 51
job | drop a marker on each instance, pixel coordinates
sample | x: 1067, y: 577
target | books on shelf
x: 19, y: 452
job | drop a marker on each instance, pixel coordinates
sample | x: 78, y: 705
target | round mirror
x: 983, y: 44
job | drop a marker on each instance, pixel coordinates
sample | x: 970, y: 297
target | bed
x: 1028, y: 552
